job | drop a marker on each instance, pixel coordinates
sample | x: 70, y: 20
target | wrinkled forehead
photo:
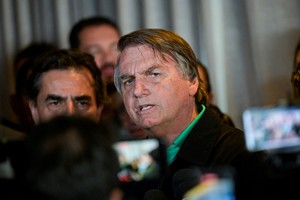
x: 143, y: 55
x: 71, y: 72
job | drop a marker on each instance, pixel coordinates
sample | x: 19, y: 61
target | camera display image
x: 213, y: 184
x: 140, y: 160
x: 271, y: 128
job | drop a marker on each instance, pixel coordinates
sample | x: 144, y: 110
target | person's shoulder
x: 232, y: 139
x: 230, y: 131
x: 224, y: 117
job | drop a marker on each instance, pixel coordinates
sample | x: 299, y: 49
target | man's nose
x: 140, y: 88
x: 105, y: 57
x: 109, y: 56
x: 70, y: 109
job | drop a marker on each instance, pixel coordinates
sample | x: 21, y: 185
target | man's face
x: 65, y: 92
x: 155, y: 94
x: 101, y: 42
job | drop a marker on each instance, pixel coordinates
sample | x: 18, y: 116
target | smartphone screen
x: 214, y: 184
x: 271, y: 128
x: 140, y: 160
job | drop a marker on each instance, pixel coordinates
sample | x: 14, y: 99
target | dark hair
x: 66, y: 60
x: 69, y: 157
x: 165, y: 42
x: 31, y: 52
x: 22, y: 77
x: 295, y: 80
x: 25, y: 60
x: 296, y: 52
x: 295, y: 76
x: 87, y: 22
x: 205, y: 72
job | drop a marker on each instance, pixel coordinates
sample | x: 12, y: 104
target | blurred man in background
x: 99, y: 36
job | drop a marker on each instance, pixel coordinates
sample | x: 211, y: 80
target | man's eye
x: 83, y: 104
x: 127, y: 82
x: 94, y: 51
x: 115, y: 48
x: 154, y: 74
x: 54, y: 104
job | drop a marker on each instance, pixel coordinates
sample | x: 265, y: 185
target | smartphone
x: 142, y: 165
x: 214, y: 184
x: 272, y: 128
x: 140, y: 159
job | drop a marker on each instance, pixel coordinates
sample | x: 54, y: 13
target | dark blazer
x: 213, y: 144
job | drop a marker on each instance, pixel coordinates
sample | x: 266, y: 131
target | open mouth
x: 145, y: 107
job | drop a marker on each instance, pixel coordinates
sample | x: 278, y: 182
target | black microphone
x: 154, y: 194
x: 184, y: 180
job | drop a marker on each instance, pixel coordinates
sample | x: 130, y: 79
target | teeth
x: 145, y: 107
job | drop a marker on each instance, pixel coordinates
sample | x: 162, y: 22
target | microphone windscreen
x: 184, y: 180
x: 154, y: 194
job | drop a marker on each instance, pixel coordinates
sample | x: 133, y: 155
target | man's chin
x: 147, y: 125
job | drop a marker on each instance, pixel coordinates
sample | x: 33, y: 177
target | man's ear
x: 193, y: 86
x: 34, y: 111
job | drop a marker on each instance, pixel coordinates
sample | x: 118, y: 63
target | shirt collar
x: 173, y: 149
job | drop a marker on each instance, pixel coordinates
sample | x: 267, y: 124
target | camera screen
x: 214, y: 184
x: 272, y: 128
x: 140, y: 160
